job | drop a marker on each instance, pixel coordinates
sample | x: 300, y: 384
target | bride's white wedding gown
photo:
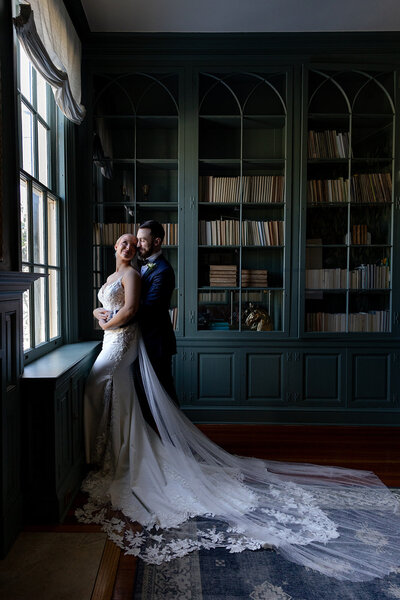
x: 341, y: 522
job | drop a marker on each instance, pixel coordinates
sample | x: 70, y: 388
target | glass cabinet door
x: 135, y: 165
x: 242, y: 202
x: 349, y: 202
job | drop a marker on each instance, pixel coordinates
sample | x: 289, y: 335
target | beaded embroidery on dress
x: 187, y: 493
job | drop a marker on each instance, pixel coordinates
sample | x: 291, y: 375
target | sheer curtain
x: 49, y: 39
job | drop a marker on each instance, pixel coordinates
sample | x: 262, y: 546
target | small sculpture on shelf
x: 257, y: 318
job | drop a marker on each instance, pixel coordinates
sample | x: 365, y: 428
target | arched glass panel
x: 217, y: 98
x: 372, y: 99
x: 113, y: 98
x: 327, y: 96
x: 264, y: 99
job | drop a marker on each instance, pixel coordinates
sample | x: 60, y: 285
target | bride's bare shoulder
x: 130, y: 274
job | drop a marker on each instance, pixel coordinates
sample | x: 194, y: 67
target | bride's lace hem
x: 156, y: 545
x: 299, y: 520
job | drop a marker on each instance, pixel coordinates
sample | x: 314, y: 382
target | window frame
x: 51, y: 190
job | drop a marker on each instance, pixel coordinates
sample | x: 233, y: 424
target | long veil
x: 344, y: 523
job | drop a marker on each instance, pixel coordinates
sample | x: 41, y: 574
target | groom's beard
x: 147, y: 253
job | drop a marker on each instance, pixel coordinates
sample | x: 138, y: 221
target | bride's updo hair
x: 156, y: 229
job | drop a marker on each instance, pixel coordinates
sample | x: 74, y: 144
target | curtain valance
x: 49, y: 39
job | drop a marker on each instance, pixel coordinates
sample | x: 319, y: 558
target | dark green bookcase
x: 244, y: 138
x: 349, y: 218
x: 135, y: 164
x: 280, y: 172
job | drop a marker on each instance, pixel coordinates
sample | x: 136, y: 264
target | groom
x: 158, y: 283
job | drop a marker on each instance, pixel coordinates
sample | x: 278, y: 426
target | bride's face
x: 125, y: 247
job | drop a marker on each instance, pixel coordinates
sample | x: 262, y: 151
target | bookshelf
x: 307, y: 237
x: 135, y: 165
x: 242, y: 200
x: 349, y: 202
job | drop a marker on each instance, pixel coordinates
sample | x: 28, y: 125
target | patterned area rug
x: 256, y: 575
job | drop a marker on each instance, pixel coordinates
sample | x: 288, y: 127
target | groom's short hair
x: 156, y: 229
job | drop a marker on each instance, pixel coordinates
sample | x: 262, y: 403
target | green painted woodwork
x: 52, y: 407
x: 232, y: 374
x: 264, y: 378
x: 12, y: 286
x: 326, y: 387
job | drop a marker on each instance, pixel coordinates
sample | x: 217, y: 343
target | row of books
x: 211, y: 297
x: 256, y: 189
x: 367, y: 277
x: 359, y: 235
x: 219, y: 233
x: 363, y: 277
x: 365, y: 187
x: 263, y: 233
x: 328, y: 144
x: 372, y: 321
x: 326, y: 279
x: 327, y: 190
x: 227, y: 276
x: 107, y: 233
x: 225, y: 232
x: 223, y: 298
x: 371, y: 187
x: 173, y: 313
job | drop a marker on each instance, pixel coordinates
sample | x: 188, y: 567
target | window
x: 41, y: 135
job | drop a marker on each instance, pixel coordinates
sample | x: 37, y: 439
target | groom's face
x: 146, y: 244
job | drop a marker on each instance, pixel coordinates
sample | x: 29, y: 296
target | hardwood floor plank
x: 104, y: 584
x: 369, y: 448
x: 125, y: 578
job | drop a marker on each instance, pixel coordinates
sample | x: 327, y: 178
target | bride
x: 187, y: 493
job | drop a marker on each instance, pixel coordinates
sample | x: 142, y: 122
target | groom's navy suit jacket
x: 158, y: 283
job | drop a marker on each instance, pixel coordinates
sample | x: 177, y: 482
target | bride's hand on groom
x: 101, y: 314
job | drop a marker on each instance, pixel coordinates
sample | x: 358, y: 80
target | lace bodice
x: 116, y: 341
x: 111, y: 295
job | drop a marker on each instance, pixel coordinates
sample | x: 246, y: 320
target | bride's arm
x: 131, y: 283
x: 101, y: 313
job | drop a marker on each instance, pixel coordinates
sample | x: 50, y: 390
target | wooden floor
x: 369, y: 448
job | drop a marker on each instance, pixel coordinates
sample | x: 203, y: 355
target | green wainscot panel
x: 322, y: 374
x: 371, y: 379
x: 264, y: 378
x: 216, y: 374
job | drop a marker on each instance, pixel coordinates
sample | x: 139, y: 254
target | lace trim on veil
x: 341, y: 522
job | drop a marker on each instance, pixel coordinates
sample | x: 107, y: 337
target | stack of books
x: 254, y: 278
x: 223, y: 275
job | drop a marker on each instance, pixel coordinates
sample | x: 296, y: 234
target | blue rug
x: 255, y: 575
